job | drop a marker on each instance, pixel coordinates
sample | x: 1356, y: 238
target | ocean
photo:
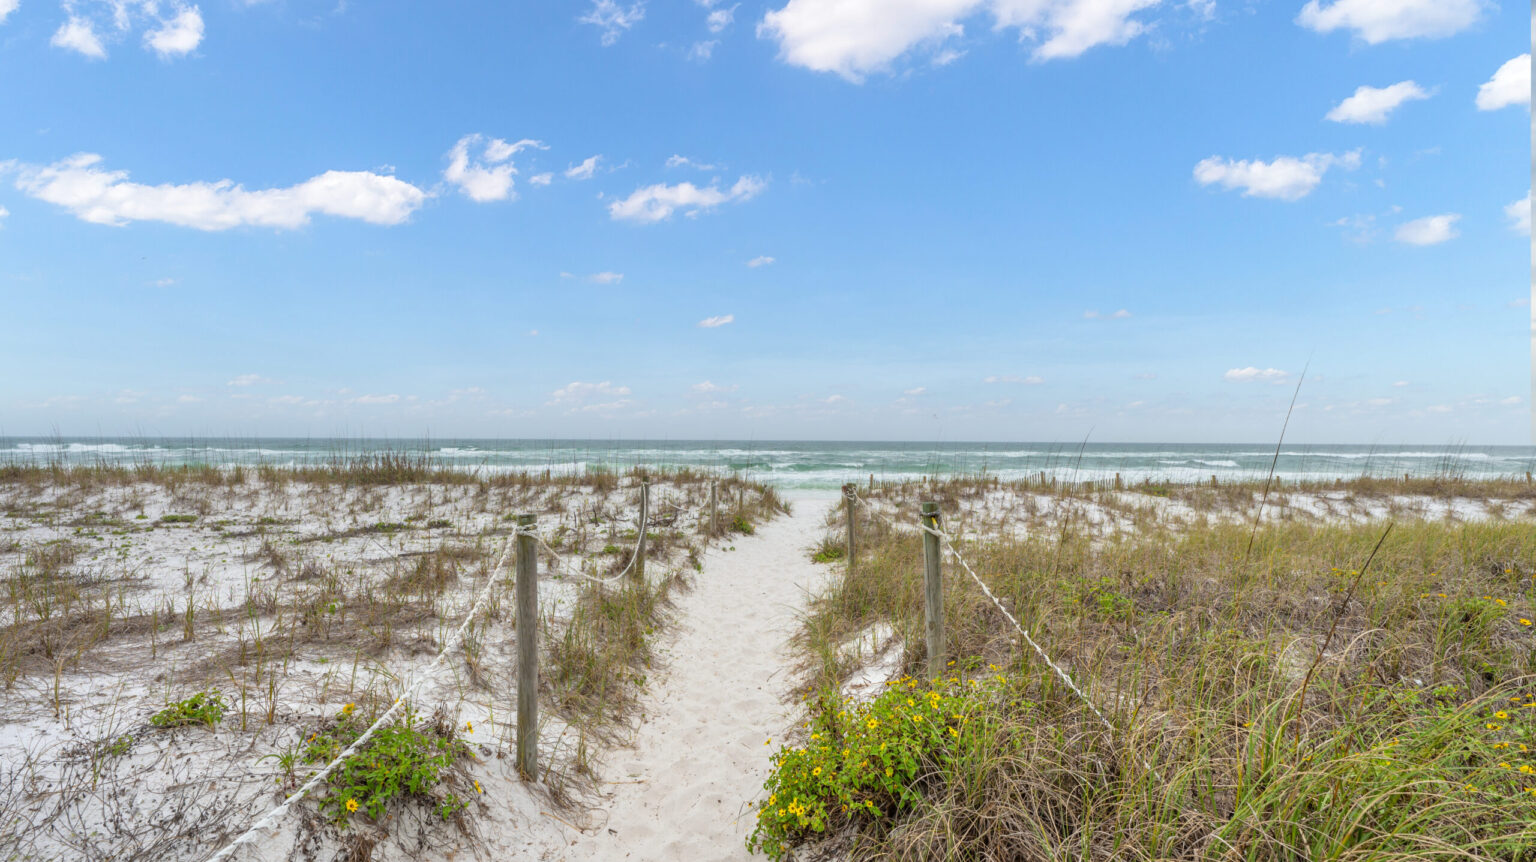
x: 812, y: 465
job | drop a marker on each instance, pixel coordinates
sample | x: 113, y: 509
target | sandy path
x: 699, y: 757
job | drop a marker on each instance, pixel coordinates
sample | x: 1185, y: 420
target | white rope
x: 1060, y: 674
x: 270, y: 819
x: 633, y: 556
x: 1039, y: 651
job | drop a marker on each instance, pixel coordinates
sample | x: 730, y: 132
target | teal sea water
x: 812, y: 464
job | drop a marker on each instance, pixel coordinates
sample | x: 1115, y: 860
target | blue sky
x: 886, y: 219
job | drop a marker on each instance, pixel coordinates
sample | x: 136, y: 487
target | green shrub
x: 406, y: 759
x: 177, y: 519
x: 741, y: 525
x: 863, y: 764
x: 205, y: 707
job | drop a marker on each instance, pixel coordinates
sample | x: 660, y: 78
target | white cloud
x: 707, y: 388
x: 1377, y: 21
x: 760, y: 260
x: 163, y: 282
x: 541, y: 179
x: 248, y: 380
x: 606, y: 277
x: 719, y: 320
x: 1430, y: 230
x: 1400, y: 383
x: 1287, y: 178
x: 488, y: 176
x: 1074, y: 25
x: 719, y: 19
x: 178, y: 35
x: 915, y: 391
x: 578, y: 392
x: 1439, y: 408
x: 1373, y: 104
x: 613, y: 19
x: 703, y: 50
x: 1252, y: 374
x: 96, y: 195
x: 854, y: 38
x: 3, y: 214
x: 7, y: 7
x: 585, y: 170
x: 188, y: 399
x: 1510, y: 85
x: 677, y: 161
x: 657, y: 202
x: 1511, y: 401
x: 376, y: 399
x: 1013, y: 378
x: 1122, y: 314
x: 1519, y: 214
x: 79, y: 35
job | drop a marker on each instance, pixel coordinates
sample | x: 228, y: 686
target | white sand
x: 685, y: 789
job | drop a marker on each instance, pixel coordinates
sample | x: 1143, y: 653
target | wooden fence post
x: 714, y: 504
x: 645, y: 506
x: 852, y: 537
x: 527, y: 651
x: 933, y: 591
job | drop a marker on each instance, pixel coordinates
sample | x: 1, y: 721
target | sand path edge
x: 722, y: 688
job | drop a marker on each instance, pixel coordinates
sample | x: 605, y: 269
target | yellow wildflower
x: 351, y: 804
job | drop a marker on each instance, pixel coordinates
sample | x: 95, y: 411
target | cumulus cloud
x: 178, y: 35
x: 1377, y: 21
x: 81, y: 185
x: 7, y: 7
x: 1013, y: 378
x: 1287, y: 178
x: 3, y: 213
x: 376, y: 399
x: 248, y: 380
x: 543, y: 179
x: 760, y: 260
x: 1373, y: 104
x: 1122, y: 314
x: 720, y: 320
x: 657, y: 202
x: 703, y: 50
x: 677, y: 161
x: 1252, y: 374
x: 1519, y: 214
x: 708, y: 388
x: 915, y: 391
x: 1510, y: 85
x: 613, y: 19
x: 585, y: 170
x: 482, y: 169
x: 578, y: 392
x: 854, y: 38
x: 79, y: 35
x: 719, y: 19
x: 606, y: 277
x: 1430, y: 230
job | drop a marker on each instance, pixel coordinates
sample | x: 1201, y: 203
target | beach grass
x: 1283, y: 701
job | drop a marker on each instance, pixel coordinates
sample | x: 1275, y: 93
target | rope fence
x: 852, y: 495
x: 523, y: 538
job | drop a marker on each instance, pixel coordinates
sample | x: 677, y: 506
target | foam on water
x: 810, y: 464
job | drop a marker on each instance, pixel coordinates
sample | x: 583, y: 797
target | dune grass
x: 1278, y: 704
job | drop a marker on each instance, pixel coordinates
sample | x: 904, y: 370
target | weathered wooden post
x: 714, y: 504
x: 527, y: 650
x: 933, y: 592
x: 645, y: 505
x: 1118, y: 485
x: 848, y: 494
